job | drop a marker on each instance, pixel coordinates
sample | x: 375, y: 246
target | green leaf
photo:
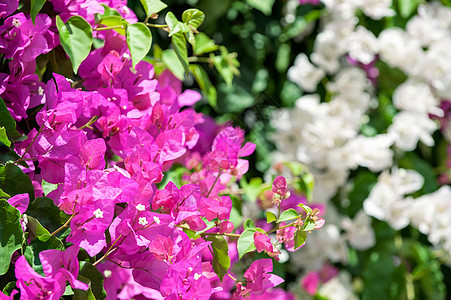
x: 110, y: 21
x: 190, y: 37
x: 68, y: 291
x: 9, y: 288
x: 253, y: 188
x: 4, y: 137
x: 48, y: 214
x: 265, y: 6
x: 306, y: 208
x: 7, y: 121
x: 108, y: 11
x: 235, y: 217
x: 270, y: 217
x: 36, y: 6
x: 174, y: 175
x: 153, y: 6
x: 172, y: 62
x: 309, y: 225
x: 204, y: 44
x: 176, y: 32
x: 226, y: 64
x: 41, y: 239
x: 139, y: 40
x: 407, y: 7
x: 13, y: 181
x: 48, y: 187
x: 283, y: 57
x: 11, y: 234
x: 95, y: 277
x: 81, y: 294
x: 207, y: 88
x: 299, y: 238
x: 248, y: 224
x: 289, y: 214
x: 305, y: 181
x: 76, y: 39
x: 175, y: 26
x: 245, y: 242
x: 179, y: 45
x: 36, y: 230
x: 4, y: 195
x: 193, y: 17
x: 10, y: 157
x: 296, y: 168
x: 221, y: 259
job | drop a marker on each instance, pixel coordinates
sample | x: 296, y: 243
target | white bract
x: 304, y: 74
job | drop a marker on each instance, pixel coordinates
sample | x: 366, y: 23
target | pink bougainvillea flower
x: 20, y: 201
x: 226, y: 149
x: 59, y: 267
x: 313, y: 279
x: 258, y: 278
x: 263, y: 243
x: 286, y: 235
x: 279, y: 186
x: 310, y: 282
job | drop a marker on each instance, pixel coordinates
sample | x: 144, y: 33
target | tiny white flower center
x: 157, y: 220
x: 126, y: 55
x: 16, y: 22
x: 197, y: 276
x: 143, y: 221
x: 140, y: 207
x: 40, y: 91
x: 69, y: 80
x: 25, y: 219
x: 107, y: 273
x: 98, y: 213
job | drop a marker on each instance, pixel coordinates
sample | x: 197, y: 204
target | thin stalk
x: 214, y: 183
x: 217, y: 233
x: 108, y: 28
x: 199, y: 59
x: 29, y: 146
x: 64, y: 225
x: 277, y: 228
x: 110, y: 250
x: 90, y: 122
x: 157, y: 25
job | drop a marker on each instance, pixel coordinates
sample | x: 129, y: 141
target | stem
x: 64, y: 225
x: 156, y: 25
x: 199, y: 59
x: 110, y: 250
x: 217, y: 233
x: 29, y: 146
x: 234, y: 279
x: 277, y: 228
x: 214, y: 183
x: 90, y: 122
x: 108, y: 28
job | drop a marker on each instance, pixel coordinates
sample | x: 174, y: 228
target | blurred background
x: 358, y: 93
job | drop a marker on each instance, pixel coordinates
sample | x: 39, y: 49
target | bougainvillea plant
x: 112, y: 185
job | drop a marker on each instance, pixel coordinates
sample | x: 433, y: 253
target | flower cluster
x: 101, y: 149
